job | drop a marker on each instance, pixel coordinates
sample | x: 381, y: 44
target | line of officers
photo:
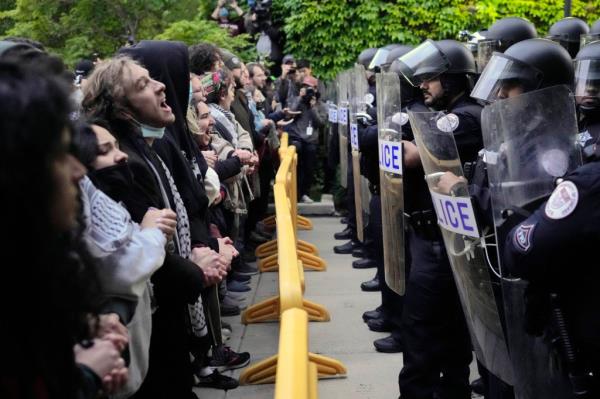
x: 473, y: 182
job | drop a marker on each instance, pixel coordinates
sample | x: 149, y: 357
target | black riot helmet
x: 431, y: 59
x: 501, y: 35
x: 567, y: 32
x: 592, y: 35
x: 528, y: 65
x: 408, y: 92
x: 587, y: 77
x: 366, y: 56
x: 380, y: 59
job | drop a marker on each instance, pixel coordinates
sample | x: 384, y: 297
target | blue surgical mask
x: 152, y: 132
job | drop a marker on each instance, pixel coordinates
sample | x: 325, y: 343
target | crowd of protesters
x: 134, y: 191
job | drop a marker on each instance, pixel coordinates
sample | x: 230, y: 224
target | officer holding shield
x: 550, y: 250
x: 587, y: 96
x: 437, y: 348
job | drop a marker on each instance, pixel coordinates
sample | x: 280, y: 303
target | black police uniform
x: 554, y: 253
x: 435, y: 336
x: 589, y: 136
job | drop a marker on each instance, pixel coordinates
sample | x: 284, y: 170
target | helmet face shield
x: 588, y: 38
x: 423, y: 63
x: 587, y: 82
x: 379, y: 58
x: 504, y: 76
x: 485, y: 50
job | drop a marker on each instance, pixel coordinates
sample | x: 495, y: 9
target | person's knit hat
x: 230, y: 60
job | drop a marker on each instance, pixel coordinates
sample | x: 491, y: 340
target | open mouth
x: 164, y: 106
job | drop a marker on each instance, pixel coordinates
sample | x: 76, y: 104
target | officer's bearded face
x: 432, y: 91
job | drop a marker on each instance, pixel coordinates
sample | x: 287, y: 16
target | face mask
x: 115, y: 181
x: 152, y: 132
x: 190, y: 95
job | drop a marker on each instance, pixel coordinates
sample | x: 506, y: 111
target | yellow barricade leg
x: 304, y: 223
x: 270, y: 222
x: 268, y: 264
x: 262, y: 372
x: 307, y: 247
x: 312, y: 262
x: 328, y: 367
x: 315, y: 311
x: 313, y: 381
x: 267, y: 310
x: 266, y: 249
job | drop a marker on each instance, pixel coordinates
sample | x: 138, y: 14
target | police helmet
x: 511, y: 30
x: 592, y: 35
x: 431, y: 59
x: 408, y: 91
x: 587, y: 76
x: 501, y: 35
x: 366, y: 56
x: 530, y: 64
x: 567, y: 32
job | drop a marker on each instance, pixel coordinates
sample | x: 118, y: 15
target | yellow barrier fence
x: 308, y: 253
x: 295, y: 369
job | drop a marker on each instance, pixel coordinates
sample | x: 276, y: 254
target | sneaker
x: 227, y: 310
x: 306, y: 199
x: 245, y: 269
x: 216, y: 380
x: 224, y: 358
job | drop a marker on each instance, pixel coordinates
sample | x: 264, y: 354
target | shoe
x: 371, y: 314
x: 228, y: 310
x: 387, y: 345
x: 379, y: 325
x: 257, y: 238
x: 230, y: 300
x: 245, y: 269
x: 263, y: 233
x: 478, y: 386
x: 237, y: 286
x: 226, y: 325
x: 305, y: 199
x: 344, y: 220
x: 346, y: 234
x: 224, y: 358
x: 371, y: 285
x: 365, y: 263
x: 225, y: 334
x: 217, y: 380
x: 359, y: 252
x: 346, y: 248
x: 241, y: 277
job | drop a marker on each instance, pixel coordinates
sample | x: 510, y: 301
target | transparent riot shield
x: 485, y: 50
x: 588, y: 38
x: 530, y: 140
x: 364, y: 100
x: 356, y: 104
x: 343, y: 104
x: 389, y: 122
x: 463, y: 240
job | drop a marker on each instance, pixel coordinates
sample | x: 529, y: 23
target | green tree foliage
x: 332, y: 33
x: 76, y: 28
x: 201, y: 30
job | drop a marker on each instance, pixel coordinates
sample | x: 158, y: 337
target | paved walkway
x: 371, y: 375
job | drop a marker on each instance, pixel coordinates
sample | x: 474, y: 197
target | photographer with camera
x: 304, y: 132
x: 222, y: 15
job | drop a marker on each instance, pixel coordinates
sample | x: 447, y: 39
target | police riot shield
x: 364, y: 101
x: 357, y: 105
x: 530, y: 141
x: 389, y: 122
x: 463, y: 239
x: 342, y: 116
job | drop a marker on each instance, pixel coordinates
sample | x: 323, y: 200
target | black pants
x: 391, y: 303
x: 495, y: 388
x: 307, y: 158
x: 350, y: 197
x: 434, y: 332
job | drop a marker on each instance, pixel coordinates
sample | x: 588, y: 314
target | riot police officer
x: 587, y: 91
x: 552, y: 64
x: 437, y: 349
x: 350, y: 232
x: 550, y: 250
x: 567, y: 32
